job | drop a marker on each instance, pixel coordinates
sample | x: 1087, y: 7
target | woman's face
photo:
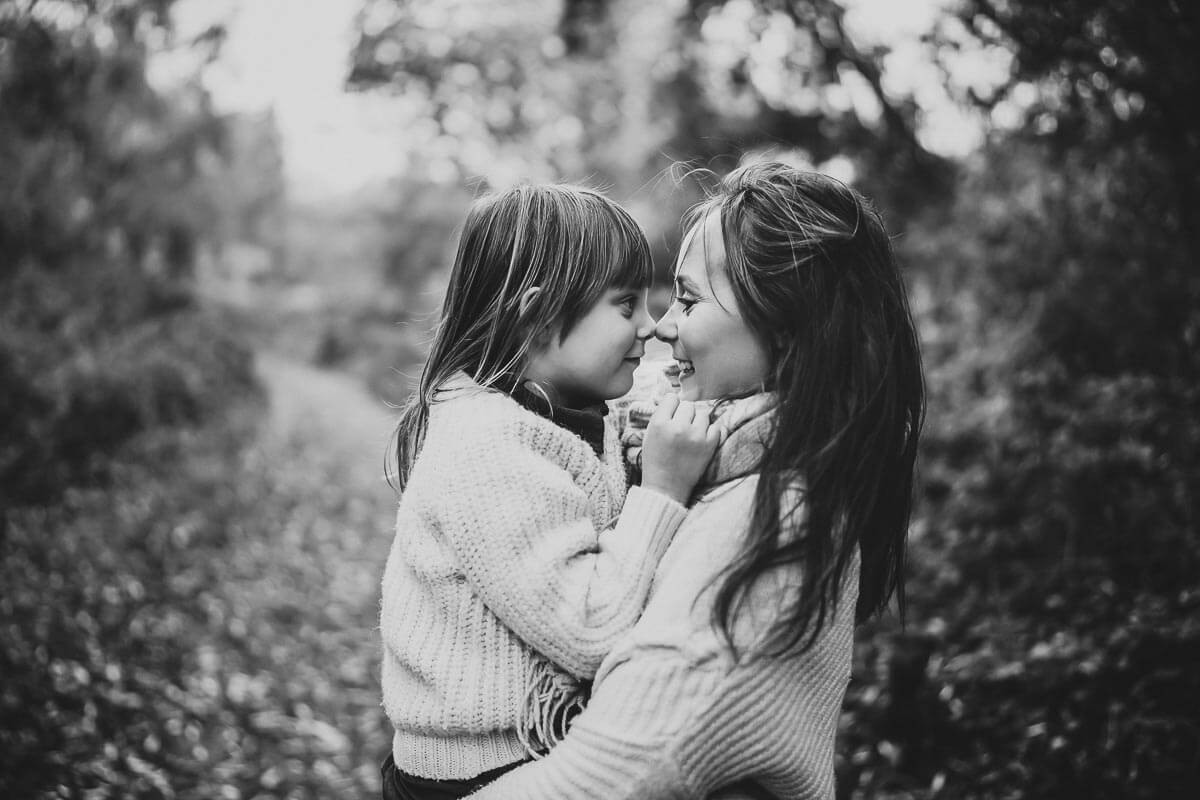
x: 717, y: 352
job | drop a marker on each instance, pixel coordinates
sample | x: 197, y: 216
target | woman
x: 790, y: 314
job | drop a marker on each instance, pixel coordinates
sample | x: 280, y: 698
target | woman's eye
x: 685, y: 302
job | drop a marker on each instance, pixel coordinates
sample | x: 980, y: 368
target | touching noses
x: 666, y: 329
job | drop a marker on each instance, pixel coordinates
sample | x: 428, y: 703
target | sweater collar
x: 587, y: 423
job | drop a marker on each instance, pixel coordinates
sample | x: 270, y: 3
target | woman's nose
x: 666, y: 329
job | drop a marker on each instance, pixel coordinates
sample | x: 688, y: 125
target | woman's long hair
x: 572, y: 242
x: 814, y: 276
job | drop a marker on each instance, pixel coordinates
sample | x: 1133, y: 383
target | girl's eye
x: 628, y: 304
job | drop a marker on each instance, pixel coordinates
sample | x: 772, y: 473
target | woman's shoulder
x: 736, y: 495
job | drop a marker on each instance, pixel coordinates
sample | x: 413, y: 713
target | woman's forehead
x: 702, y: 250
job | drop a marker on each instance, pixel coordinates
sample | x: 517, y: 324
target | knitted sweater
x: 508, y: 553
x: 672, y: 715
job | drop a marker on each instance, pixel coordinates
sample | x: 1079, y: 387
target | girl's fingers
x: 714, y: 436
x: 684, y: 413
x: 666, y: 408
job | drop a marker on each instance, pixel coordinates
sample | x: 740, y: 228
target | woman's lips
x: 671, y: 371
x: 678, y: 370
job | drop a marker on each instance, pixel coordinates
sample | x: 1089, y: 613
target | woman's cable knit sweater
x: 508, y: 552
x: 672, y: 715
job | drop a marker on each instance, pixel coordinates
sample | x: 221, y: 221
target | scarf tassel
x: 554, y: 699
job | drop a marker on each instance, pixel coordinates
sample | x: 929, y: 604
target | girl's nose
x: 645, y: 328
x: 666, y: 329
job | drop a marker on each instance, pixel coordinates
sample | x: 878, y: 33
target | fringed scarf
x: 554, y: 699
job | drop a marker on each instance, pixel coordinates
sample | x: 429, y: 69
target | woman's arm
x: 622, y: 747
x: 663, y: 727
x: 674, y: 715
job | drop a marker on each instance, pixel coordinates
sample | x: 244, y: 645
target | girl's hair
x: 815, y: 279
x: 572, y: 242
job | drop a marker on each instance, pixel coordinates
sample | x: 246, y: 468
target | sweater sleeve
x: 619, y: 748
x: 528, y: 546
x: 663, y: 726
x: 673, y: 715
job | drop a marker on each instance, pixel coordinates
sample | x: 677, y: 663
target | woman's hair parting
x: 571, y: 242
x: 813, y: 272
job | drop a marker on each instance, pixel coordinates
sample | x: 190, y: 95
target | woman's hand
x: 678, y: 445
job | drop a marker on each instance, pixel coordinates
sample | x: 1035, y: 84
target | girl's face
x: 718, y: 354
x: 596, y: 360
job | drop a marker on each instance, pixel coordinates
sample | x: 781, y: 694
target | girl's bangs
x: 629, y: 261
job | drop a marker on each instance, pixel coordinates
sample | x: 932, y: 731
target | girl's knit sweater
x: 672, y: 714
x: 508, y: 553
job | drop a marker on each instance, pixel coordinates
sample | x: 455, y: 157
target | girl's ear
x: 540, y: 337
x: 527, y: 300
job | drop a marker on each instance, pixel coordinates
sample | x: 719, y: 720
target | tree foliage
x: 102, y: 208
x: 1107, y: 87
x: 1056, y: 555
x: 621, y: 90
x: 95, y: 160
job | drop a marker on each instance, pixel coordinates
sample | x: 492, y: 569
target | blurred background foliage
x: 183, y: 610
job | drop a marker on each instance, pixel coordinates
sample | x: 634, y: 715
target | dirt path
x: 304, y: 577
x: 324, y: 440
x: 329, y: 410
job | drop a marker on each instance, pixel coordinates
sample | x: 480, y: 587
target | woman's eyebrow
x: 685, y: 284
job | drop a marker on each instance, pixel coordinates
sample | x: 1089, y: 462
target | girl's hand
x: 678, y: 445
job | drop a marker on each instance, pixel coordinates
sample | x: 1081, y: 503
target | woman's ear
x: 527, y: 300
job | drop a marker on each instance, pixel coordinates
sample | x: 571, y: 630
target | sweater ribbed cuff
x: 455, y: 757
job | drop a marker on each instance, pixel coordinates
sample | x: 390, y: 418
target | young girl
x: 519, y: 556
x: 791, y: 315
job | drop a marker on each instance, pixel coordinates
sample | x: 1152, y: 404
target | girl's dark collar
x: 587, y: 423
